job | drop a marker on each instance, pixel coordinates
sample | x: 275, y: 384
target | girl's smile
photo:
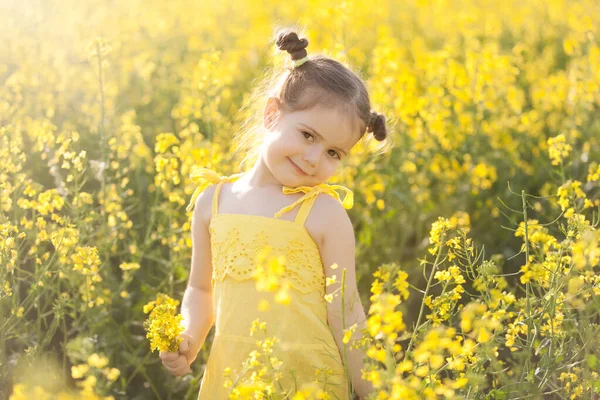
x: 304, y: 148
x: 297, y: 168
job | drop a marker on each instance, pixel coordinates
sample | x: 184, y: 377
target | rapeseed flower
x: 163, y: 325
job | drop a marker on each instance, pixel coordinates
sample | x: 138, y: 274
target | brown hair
x: 319, y: 81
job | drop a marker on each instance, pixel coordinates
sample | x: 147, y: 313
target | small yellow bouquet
x: 163, y: 325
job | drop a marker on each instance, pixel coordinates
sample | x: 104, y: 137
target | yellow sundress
x: 306, y: 341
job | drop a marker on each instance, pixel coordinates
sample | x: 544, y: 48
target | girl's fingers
x: 173, y: 371
x: 176, y: 363
x: 184, y: 346
x: 168, y: 356
x: 180, y: 362
x: 179, y: 371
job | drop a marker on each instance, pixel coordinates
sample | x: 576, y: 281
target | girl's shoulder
x: 202, y: 204
x: 206, y: 181
x: 328, y: 209
x: 328, y: 215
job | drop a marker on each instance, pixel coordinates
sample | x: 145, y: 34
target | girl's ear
x: 271, y: 111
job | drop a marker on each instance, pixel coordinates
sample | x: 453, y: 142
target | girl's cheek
x: 299, y: 142
x: 270, y: 140
x: 331, y: 167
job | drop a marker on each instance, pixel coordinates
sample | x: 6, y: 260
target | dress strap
x: 310, y: 196
x: 304, y: 210
x: 204, y: 177
x: 215, y: 199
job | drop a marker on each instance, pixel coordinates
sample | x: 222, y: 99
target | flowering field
x: 477, y: 228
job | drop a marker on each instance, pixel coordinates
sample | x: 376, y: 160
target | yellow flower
x: 88, y: 384
x: 401, y: 284
x: 263, y: 305
x: 257, y: 325
x: 19, y: 312
x: 384, y: 319
x: 86, y: 260
x: 558, y: 149
x: 593, y: 173
x: 330, y: 280
x: 78, y: 371
x: 404, y: 366
x: 422, y: 371
x: 438, y: 230
x: 377, y: 353
x: 97, y: 361
x: 111, y: 374
x: 163, y: 325
x: 129, y: 266
x: 460, y: 382
x: 164, y: 141
x: 283, y: 296
x: 269, y: 271
x: 442, y: 276
x: 348, y: 333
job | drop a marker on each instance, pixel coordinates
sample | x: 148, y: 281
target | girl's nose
x: 311, y: 157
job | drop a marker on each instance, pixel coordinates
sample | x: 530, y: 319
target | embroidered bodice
x: 237, y: 239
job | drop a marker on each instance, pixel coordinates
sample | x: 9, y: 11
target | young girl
x: 318, y: 111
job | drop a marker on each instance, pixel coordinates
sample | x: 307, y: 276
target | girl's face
x: 304, y: 148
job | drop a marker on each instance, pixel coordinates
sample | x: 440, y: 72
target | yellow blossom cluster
x: 87, y: 373
x: 558, y: 149
x: 568, y: 195
x: 255, y: 379
x: 163, y: 325
x: 22, y: 392
x: 269, y: 275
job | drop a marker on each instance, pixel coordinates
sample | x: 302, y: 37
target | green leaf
x: 592, y: 361
x: 497, y: 394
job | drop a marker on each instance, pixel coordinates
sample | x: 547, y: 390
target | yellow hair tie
x: 301, y: 61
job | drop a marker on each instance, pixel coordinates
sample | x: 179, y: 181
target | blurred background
x: 105, y: 106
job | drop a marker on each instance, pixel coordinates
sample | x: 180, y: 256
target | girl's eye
x: 334, y: 154
x: 307, y: 135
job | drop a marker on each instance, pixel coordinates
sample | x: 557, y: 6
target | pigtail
x: 376, y: 124
x: 288, y: 40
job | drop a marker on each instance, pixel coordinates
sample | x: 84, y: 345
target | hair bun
x: 288, y: 40
x: 377, y: 126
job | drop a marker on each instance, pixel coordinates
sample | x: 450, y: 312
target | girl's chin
x: 299, y: 182
x: 294, y: 181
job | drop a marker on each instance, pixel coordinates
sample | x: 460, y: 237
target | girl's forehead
x: 333, y: 124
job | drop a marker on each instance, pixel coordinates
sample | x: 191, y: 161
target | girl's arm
x: 337, y: 247
x: 197, y: 306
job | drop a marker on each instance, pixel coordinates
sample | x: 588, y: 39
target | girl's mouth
x: 297, y: 168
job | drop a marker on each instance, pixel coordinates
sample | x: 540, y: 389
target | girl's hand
x: 175, y: 363
x: 189, y: 347
x: 178, y: 363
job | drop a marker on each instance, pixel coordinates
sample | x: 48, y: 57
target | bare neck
x: 260, y: 175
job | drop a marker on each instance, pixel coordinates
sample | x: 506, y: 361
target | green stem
x: 345, y: 355
x: 103, y: 150
x: 31, y: 293
x: 528, y: 284
x: 433, y: 269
